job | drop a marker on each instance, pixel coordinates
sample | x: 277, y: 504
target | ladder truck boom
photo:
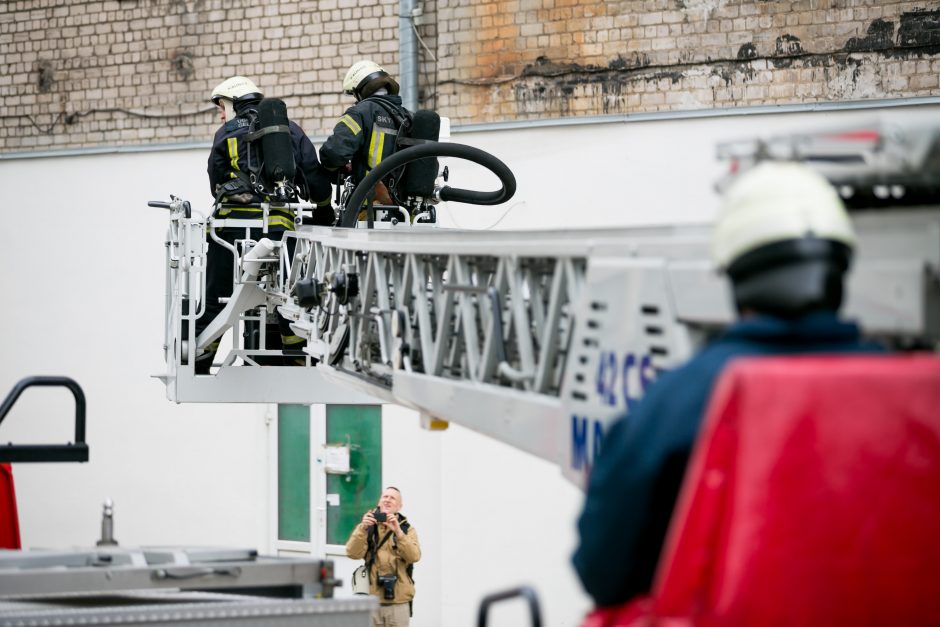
x: 537, y: 338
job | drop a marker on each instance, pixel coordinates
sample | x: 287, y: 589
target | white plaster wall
x: 508, y: 521
x: 82, y: 287
x: 83, y: 295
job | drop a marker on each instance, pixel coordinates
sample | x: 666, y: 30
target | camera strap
x: 374, y: 548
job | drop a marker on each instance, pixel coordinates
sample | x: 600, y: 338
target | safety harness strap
x: 261, y: 132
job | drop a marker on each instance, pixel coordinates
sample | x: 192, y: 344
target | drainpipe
x: 407, y: 54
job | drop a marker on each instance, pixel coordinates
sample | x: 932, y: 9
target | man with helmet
x: 238, y: 99
x: 785, y: 241
x: 367, y: 131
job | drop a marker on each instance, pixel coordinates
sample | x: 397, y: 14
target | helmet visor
x: 355, y: 91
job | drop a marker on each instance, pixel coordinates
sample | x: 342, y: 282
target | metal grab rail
x: 69, y: 452
x: 524, y: 591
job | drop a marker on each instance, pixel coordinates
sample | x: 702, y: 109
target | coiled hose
x: 436, y: 149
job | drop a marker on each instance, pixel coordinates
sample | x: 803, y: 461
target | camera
x: 388, y: 586
x: 379, y: 516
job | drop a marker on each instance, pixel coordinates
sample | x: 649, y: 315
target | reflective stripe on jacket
x: 279, y: 219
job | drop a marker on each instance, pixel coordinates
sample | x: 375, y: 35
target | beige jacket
x: 393, y: 558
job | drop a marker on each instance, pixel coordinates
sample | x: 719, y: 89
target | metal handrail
x: 69, y: 452
x: 523, y: 591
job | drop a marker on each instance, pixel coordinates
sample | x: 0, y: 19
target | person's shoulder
x: 240, y: 124
x: 296, y: 129
x: 682, y: 389
x: 384, y: 102
x: 356, y: 112
x: 358, y: 531
x: 232, y: 128
x: 359, y: 107
x: 366, y: 106
x: 700, y: 363
x: 392, y: 98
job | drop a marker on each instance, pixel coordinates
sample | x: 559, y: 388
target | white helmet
x: 365, y: 77
x: 231, y: 92
x: 778, y: 201
x: 784, y: 238
x: 235, y: 89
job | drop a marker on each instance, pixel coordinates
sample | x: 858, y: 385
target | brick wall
x: 117, y: 72
x: 548, y: 58
x: 82, y: 74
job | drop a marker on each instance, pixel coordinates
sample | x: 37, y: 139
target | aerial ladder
x: 537, y: 338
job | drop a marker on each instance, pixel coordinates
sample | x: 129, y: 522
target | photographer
x: 389, y: 545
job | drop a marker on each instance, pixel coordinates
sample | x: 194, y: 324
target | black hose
x: 436, y: 149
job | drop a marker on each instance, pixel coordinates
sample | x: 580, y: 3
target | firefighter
x: 366, y: 133
x: 237, y: 99
x: 785, y: 241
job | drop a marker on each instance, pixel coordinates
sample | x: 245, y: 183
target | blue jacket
x: 636, y: 479
x: 229, y: 153
x: 365, y: 135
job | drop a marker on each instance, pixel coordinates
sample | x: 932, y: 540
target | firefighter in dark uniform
x: 367, y: 131
x: 237, y: 99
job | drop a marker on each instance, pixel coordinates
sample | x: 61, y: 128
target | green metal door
x: 293, y: 472
x: 359, y: 426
